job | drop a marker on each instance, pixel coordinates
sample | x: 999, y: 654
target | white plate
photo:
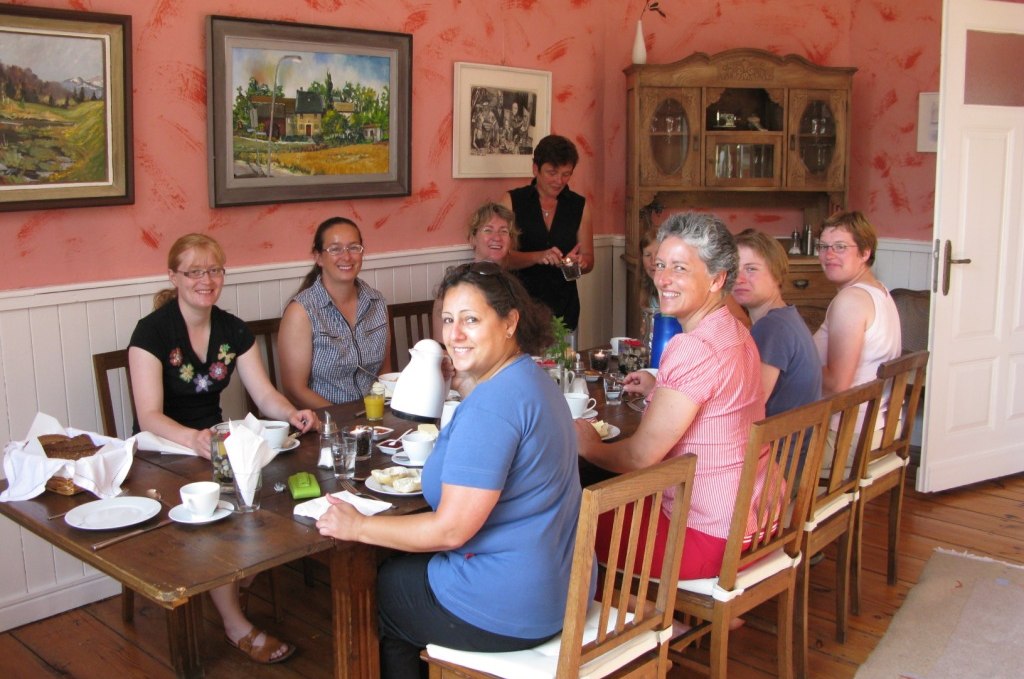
x: 613, y: 431
x: 182, y: 515
x: 381, y: 432
x: 588, y: 414
x: 291, y: 445
x: 115, y: 512
x: 403, y: 459
x: 375, y: 486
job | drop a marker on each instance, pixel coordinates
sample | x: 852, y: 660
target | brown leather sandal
x: 263, y: 653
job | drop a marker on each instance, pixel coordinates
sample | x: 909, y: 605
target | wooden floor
x: 91, y: 641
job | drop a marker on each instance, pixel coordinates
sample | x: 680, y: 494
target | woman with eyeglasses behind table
x: 181, y: 358
x: 491, y: 562
x: 334, y: 333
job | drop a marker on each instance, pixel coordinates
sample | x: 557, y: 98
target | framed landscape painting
x: 65, y: 109
x: 300, y: 112
x: 500, y: 113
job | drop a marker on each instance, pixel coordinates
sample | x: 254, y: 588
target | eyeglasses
x: 196, y: 274
x: 335, y: 250
x: 488, y: 231
x: 838, y: 248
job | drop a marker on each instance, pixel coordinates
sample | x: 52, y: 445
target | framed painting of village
x: 300, y: 112
x: 500, y: 113
x: 65, y: 109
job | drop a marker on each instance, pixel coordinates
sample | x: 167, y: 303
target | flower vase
x: 639, y: 46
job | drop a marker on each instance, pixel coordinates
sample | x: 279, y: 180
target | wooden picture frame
x: 500, y: 113
x: 281, y: 129
x: 65, y: 109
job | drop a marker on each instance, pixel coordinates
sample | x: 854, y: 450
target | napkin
x: 27, y: 467
x: 316, y: 507
x: 147, y: 440
x: 248, y: 454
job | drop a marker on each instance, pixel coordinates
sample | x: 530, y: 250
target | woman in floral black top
x: 181, y: 357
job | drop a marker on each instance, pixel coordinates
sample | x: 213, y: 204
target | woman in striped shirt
x: 707, y: 392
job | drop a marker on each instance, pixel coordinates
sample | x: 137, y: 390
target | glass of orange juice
x: 374, y: 402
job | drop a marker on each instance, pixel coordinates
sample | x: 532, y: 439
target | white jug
x: 421, y: 388
x: 579, y: 385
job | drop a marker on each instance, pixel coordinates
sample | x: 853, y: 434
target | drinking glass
x: 243, y: 507
x: 612, y: 391
x: 363, y: 440
x: 343, y: 457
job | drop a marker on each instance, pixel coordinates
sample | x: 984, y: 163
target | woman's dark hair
x: 503, y: 293
x: 647, y: 289
x: 556, y: 150
x: 318, y: 245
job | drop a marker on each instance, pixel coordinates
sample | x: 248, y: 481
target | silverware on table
x: 58, y: 515
x: 113, y: 541
x: 347, y: 485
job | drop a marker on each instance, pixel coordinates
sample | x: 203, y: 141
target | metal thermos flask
x: 808, y: 240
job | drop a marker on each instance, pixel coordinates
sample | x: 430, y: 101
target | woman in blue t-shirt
x: 495, y: 554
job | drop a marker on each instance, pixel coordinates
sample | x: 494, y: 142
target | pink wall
x: 584, y: 43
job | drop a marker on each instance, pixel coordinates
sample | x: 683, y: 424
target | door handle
x: 947, y: 260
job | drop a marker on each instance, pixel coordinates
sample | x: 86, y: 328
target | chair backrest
x: 102, y: 364
x: 409, y: 322
x: 264, y: 330
x: 904, y: 379
x: 774, y: 518
x: 913, y: 307
x: 852, y: 446
x: 638, y: 493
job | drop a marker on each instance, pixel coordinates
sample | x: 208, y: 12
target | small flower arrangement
x: 654, y: 7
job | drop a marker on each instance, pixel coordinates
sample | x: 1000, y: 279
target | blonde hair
x: 767, y: 248
x: 483, y: 215
x: 190, y: 241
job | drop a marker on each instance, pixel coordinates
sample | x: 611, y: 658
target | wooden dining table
x: 173, y: 564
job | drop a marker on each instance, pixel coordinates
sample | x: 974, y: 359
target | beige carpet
x: 964, y: 618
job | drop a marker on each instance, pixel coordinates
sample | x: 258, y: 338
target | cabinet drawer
x: 804, y: 283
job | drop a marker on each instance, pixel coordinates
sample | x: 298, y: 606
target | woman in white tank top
x: 862, y: 326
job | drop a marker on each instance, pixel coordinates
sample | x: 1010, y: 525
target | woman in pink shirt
x: 707, y: 392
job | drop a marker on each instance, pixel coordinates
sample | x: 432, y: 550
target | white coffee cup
x: 447, y: 410
x: 200, y: 498
x: 417, y: 446
x: 389, y: 380
x: 579, y: 403
x: 275, y: 432
x: 615, y: 344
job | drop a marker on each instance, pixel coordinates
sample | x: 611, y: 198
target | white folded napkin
x: 27, y: 467
x: 316, y: 507
x: 147, y: 440
x: 248, y: 454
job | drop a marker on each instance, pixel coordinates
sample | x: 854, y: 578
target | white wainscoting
x: 48, y: 336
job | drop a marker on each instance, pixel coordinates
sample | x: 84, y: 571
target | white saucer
x: 291, y: 445
x: 588, y: 414
x: 182, y: 515
x: 403, y: 459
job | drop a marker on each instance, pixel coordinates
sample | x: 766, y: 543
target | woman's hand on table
x: 639, y: 382
x: 341, y: 520
x: 304, y: 420
x: 201, y: 442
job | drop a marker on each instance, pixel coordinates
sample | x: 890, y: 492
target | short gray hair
x: 707, y: 235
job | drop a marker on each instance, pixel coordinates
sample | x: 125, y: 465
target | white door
x: 974, y: 424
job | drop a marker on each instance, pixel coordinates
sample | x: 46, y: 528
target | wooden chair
x: 102, y: 364
x: 832, y: 512
x: 625, y: 633
x: 412, y: 321
x: 886, y: 469
x: 265, y: 331
x: 760, y: 561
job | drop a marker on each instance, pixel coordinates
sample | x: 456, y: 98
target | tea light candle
x: 599, y: 360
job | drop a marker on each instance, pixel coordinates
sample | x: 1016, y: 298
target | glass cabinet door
x: 743, y: 159
x: 817, y: 126
x: 669, y: 137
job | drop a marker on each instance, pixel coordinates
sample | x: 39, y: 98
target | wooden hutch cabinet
x: 742, y: 128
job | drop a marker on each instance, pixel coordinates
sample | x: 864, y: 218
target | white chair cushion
x: 774, y: 563
x: 881, y: 467
x: 540, y: 662
x: 828, y: 509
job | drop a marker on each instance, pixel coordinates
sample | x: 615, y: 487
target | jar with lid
x: 329, y: 441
